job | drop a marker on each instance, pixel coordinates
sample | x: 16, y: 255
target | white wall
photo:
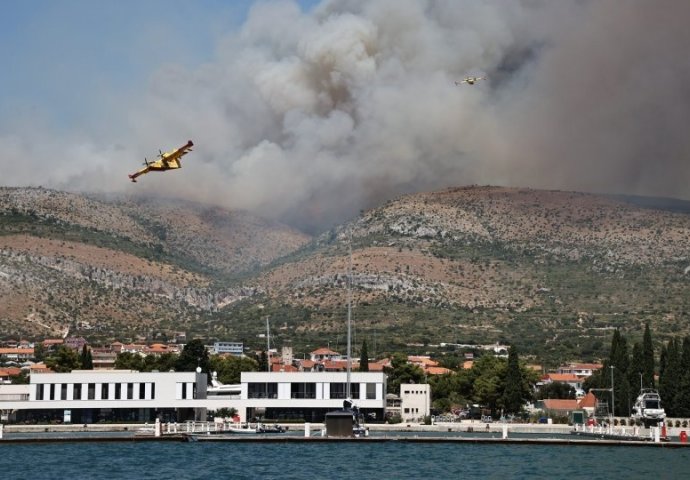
x: 416, y: 401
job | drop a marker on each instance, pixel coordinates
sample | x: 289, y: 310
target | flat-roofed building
x: 233, y: 348
x: 415, y: 401
x: 89, y: 396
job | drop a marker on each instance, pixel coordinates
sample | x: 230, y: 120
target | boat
x: 260, y: 428
x: 275, y: 428
x: 241, y: 428
x: 218, y: 388
x: 647, y: 407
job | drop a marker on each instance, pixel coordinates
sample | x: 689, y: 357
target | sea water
x: 338, y: 460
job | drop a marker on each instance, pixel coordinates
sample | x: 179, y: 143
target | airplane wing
x: 179, y: 152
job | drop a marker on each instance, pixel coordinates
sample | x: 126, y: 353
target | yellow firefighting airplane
x: 166, y: 161
x: 470, y: 80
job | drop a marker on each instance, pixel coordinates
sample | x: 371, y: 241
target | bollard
x: 683, y: 437
x: 505, y: 431
x: 655, y: 431
x: 2, y: 426
x: 157, y: 428
x: 307, y: 430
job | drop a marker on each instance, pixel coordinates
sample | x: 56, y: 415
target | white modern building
x: 310, y: 395
x: 415, y: 399
x: 91, y: 396
x: 233, y: 348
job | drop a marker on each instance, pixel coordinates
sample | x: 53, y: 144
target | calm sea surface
x: 390, y: 460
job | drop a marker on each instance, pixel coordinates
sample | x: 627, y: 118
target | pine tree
x: 620, y: 361
x: 670, y: 377
x: 682, y: 400
x: 364, y: 358
x: 512, y: 393
x: 636, y: 368
x: 63, y: 360
x: 263, y: 361
x: 663, y: 360
x: 647, y: 359
x: 85, y: 359
x: 193, y: 355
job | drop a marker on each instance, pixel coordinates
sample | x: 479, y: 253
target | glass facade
x: 87, y: 391
x: 303, y: 390
x: 262, y: 390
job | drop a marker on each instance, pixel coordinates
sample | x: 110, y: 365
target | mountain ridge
x: 551, y: 271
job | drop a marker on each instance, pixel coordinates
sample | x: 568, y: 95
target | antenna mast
x: 268, y: 346
x: 348, y: 392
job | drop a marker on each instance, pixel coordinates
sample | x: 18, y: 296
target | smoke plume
x: 309, y: 117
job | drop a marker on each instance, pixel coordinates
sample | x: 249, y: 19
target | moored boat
x: 260, y: 428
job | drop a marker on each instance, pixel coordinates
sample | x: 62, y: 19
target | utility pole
x: 613, y: 398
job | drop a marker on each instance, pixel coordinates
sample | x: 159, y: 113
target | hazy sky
x: 309, y: 111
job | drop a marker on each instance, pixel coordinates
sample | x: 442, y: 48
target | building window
x: 130, y: 391
x: 371, y: 391
x: 142, y: 391
x: 153, y: 391
x: 118, y: 391
x: 52, y: 392
x: 303, y: 390
x: 262, y: 390
x: 104, y: 391
x: 407, y: 410
x: 339, y: 390
x: 63, y: 392
x: 92, y: 391
x: 39, y: 391
x: 184, y: 391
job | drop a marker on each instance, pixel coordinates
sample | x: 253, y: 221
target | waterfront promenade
x: 466, y: 426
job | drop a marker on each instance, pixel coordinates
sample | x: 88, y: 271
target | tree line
x: 499, y: 385
x: 629, y: 370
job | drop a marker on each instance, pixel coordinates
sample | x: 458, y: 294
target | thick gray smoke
x: 309, y: 117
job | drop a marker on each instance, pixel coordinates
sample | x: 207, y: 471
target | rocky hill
x: 124, y: 267
x: 551, y: 271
